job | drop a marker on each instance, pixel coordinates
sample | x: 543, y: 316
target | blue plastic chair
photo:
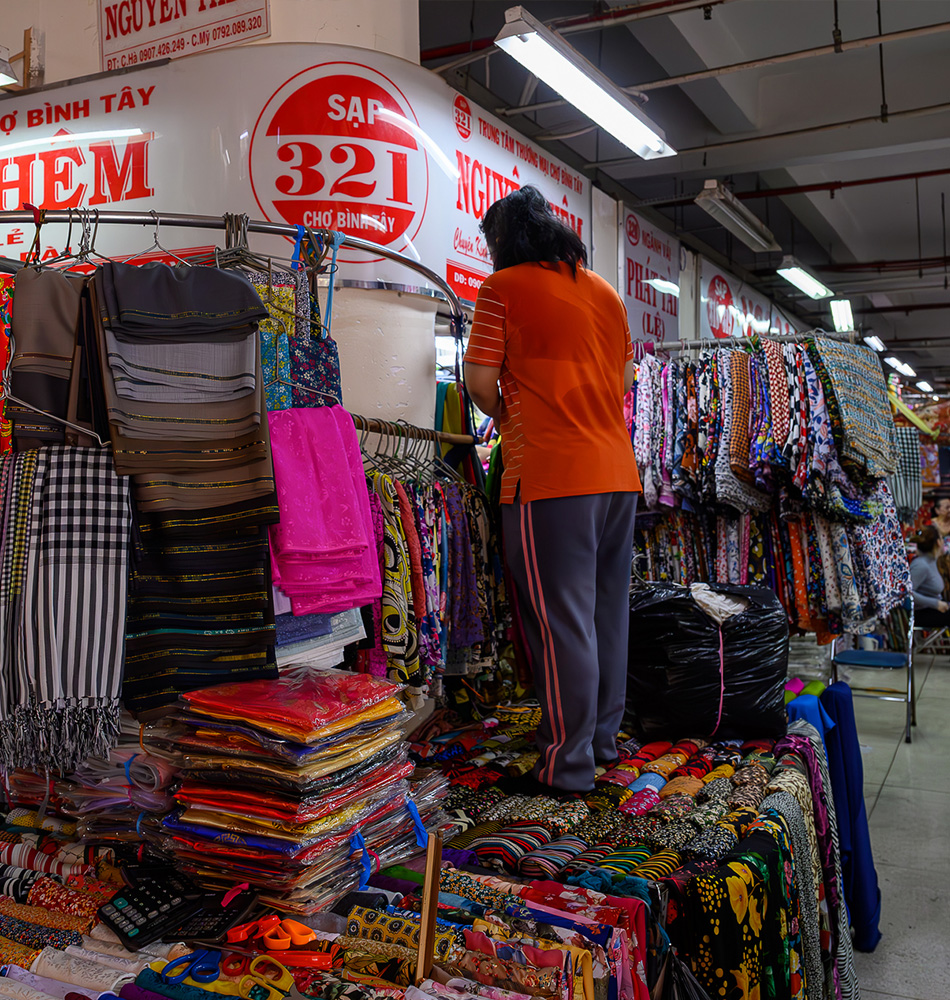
x: 874, y: 659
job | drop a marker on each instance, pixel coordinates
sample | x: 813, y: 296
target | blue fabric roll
x: 648, y: 780
x: 858, y: 874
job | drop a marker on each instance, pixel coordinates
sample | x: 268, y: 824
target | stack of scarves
x: 64, y: 559
x: 181, y: 378
x: 282, y: 782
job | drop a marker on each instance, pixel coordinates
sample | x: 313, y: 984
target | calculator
x: 218, y: 914
x: 152, y: 909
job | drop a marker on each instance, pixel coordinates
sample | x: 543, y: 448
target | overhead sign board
x: 730, y: 308
x: 133, y: 32
x: 651, y: 275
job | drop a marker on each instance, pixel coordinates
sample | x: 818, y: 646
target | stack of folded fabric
x: 170, y: 338
x: 324, y: 551
x: 180, y: 374
x: 317, y: 641
x: 200, y: 608
x: 107, y: 800
x: 283, y: 783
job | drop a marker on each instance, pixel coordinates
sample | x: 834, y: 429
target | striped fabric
x: 62, y: 594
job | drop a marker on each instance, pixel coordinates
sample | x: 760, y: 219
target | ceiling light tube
x: 842, y: 315
x: 925, y: 387
x: 901, y: 366
x: 719, y: 202
x: 794, y: 273
x: 550, y: 58
x: 875, y: 343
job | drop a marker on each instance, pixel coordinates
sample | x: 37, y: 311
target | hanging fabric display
x: 776, y: 474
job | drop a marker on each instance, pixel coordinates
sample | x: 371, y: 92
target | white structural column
x: 386, y: 338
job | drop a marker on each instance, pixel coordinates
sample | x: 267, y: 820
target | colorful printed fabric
x: 45, y: 918
x: 51, y: 895
x: 868, y: 441
x: 880, y: 545
x: 12, y: 953
x: 36, y: 935
x: 404, y: 931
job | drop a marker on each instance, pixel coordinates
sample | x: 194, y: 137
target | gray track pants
x: 570, y: 561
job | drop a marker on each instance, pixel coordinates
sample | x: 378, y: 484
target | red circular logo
x: 338, y: 146
x: 463, y: 118
x: 633, y: 230
x: 719, y: 307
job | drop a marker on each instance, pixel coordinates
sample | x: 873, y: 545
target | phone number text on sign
x: 338, y: 147
x: 133, y: 32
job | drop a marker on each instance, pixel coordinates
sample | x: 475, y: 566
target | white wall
x: 605, y: 247
x: 387, y: 353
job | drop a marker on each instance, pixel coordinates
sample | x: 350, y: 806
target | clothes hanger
x: 156, y: 245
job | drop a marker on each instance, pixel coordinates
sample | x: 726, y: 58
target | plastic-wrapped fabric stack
x: 299, y: 786
x: 106, y: 800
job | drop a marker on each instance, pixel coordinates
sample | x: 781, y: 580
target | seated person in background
x: 930, y: 609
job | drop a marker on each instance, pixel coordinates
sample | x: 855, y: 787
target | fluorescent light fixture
x: 876, y: 343
x: 901, y: 366
x: 70, y: 137
x: 841, y: 315
x: 664, y: 286
x: 719, y: 202
x: 925, y: 387
x: 546, y: 55
x: 7, y: 72
x: 794, y: 273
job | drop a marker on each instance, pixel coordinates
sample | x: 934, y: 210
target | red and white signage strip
x: 132, y: 32
x: 730, y: 308
x: 651, y: 276
x: 318, y: 135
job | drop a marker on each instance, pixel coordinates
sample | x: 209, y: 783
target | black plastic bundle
x: 689, y: 676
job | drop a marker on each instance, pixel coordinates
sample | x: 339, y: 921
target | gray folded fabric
x: 194, y: 372
x: 156, y: 301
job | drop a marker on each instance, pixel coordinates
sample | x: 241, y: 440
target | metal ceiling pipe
x: 930, y: 109
x: 718, y: 71
x: 830, y: 186
x: 473, y: 51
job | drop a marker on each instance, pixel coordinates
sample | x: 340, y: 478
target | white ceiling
x: 859, y: 225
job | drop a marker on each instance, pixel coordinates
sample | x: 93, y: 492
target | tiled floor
x: 907, y: 791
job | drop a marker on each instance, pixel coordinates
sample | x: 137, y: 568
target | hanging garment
x: 906, y: 483
x: 68, y: 527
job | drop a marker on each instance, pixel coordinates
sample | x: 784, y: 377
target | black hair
x: 927, y: 539
x: 521, y: 228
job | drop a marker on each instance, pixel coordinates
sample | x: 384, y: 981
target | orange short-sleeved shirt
x: 561, y: 345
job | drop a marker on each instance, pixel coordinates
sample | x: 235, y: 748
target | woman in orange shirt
x: 550, y: 358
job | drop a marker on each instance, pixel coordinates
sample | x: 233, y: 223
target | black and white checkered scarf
x: 63, y: 572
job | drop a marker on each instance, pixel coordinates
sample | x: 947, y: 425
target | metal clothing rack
x: 70, y: 216
x: 395, y: 429
x: 782, y: 338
